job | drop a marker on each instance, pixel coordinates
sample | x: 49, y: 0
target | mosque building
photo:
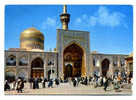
x: 72, y: 57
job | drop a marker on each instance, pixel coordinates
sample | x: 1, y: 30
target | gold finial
x: 65, y: 9
x: 65, y: 18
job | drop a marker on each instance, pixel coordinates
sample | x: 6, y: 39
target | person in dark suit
x: 34, y: 83
x: 37, y: 82
x: 31, y: 83
x: 50, y: 83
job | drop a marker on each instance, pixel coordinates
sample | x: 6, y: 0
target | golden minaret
x: 65, y: 18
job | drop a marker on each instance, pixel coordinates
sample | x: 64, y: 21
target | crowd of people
x: 16, y: 85
x: 114, y: 82
x: 35, y: 83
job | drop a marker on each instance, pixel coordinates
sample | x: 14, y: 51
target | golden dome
x: 32, y: 32
x: 32, y: 38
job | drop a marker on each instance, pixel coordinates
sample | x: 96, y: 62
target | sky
x: 110, y: 26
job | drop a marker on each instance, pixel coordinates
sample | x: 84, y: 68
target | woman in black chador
x: 57, y: 81
x: 34, y: 83
x: 44, y: 82
x: 6, y: 86
x: 74, y: 82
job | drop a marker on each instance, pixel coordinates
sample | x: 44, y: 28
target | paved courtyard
x: 67, y: 89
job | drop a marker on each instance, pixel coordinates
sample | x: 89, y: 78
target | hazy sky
x: 110, y: 26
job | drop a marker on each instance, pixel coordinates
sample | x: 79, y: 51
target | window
x: 115, y: 63
x: 11, y: 61
x: 131, y: 66
x: 10, y: 76
x: 97, y: 63
x: 23, y: 61
x: 122, y: 62
x: 22, y: 75
x: 94, y: 63
x: 50, y: 63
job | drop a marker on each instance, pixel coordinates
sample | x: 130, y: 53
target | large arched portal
x: 37, y: 68
x: 105, y: 66
x: 73, y: 61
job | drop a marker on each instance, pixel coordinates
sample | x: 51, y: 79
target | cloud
x: 102, y: 17
x: 93, y: 21
x: 106, y: 18
x: 82, y: 20
x: 49, y: 22
x: 78, y: 20
x: 84, y: 16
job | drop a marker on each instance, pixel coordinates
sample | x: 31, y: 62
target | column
x: 119, y: 67
x: 60, y: 67
x: 111, y: 67
x: 91, y: 65
x: 29, y: 65
x: 88, y: 65
x: 17, y: 63
x: 100, y: 68
x: 45, y: 69
x: 45, y: 63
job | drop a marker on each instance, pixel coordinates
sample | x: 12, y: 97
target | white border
x: 5, y: 2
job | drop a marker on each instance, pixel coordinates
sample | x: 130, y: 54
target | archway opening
x: 73, y: 61
x: 68, y: 70
x: 37, y: 68
x: 105, y: 66
x: 10, y: 76
x: 11, y: 60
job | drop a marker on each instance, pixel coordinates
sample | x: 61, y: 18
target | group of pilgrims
x: 35, y: 83
x: 115, y: 82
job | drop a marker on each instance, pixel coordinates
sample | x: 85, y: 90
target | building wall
x: 116, y: 63
x: 129, y: 62
x: 67, y: 37
x: 53, y: 56
x: 29, y: 56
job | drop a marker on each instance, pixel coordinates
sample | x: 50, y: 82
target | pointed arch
x: 73, y: 55
x: 11, y: 60
x: 105, y: 66
x: 37, y: 68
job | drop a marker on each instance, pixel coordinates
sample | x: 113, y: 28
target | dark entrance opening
x: 105, y: 66
x: 73, y: 59
x: 10, y: 76
x: 37, y: 69
x: 68, y: 71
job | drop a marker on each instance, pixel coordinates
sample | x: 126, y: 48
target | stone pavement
x: 67, y: 89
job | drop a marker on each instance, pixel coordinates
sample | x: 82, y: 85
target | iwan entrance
x: 73, y: 61
x: 37, y: 69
